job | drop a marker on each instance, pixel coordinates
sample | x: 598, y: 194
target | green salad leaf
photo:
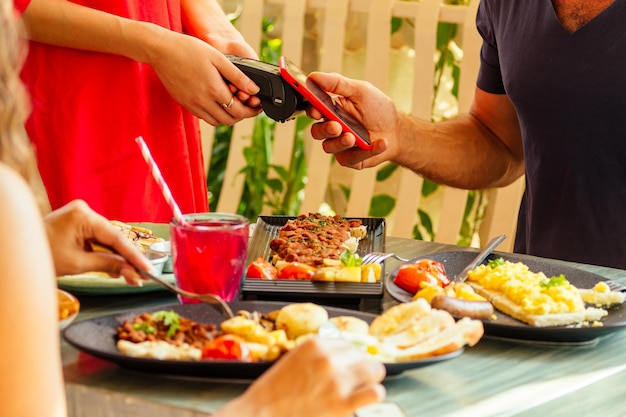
x: 349, y: 258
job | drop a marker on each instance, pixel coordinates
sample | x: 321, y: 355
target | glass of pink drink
x: 209, y: 254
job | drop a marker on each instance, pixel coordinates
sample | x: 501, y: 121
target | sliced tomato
x: 410, y: 277
x: 435, y: 268
x: 227, y: 347
x: 296, y: 270
x: 261, y: 269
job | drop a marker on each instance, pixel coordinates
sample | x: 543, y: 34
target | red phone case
x: 323, y: 102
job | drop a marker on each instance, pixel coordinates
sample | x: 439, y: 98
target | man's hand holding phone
x: 374, y: 110
x: 321, y: 101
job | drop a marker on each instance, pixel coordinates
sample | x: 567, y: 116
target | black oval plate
x: 507, y: 327
x: 98, y: 337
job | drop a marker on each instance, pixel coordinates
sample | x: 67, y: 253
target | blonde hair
x: 15, y: 148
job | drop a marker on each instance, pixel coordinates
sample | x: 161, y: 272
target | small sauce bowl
x: 68, y: 308
x: 158, y: 261
x: 163, y: 248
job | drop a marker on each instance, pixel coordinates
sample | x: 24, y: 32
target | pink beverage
x: 209, y: 254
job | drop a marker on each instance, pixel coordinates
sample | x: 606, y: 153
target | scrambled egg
x: 531, y: 291
x: 601, y: 295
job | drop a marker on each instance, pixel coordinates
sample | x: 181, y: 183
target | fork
x: 615, y: 285
x: 211, y: 299
x: 379, y: 257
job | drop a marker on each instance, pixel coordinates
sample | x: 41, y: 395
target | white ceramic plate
x: 87, y: 284
x: 96, y: 284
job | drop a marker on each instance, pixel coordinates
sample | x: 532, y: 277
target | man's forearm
x: 467, y: 153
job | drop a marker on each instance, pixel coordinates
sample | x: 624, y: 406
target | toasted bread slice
x: 399, y: 317
x: 141, y: 236
x: 465, y: 332
x: 505, y: 305
x: 421, y: 329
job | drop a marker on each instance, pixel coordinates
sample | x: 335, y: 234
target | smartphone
x: 323, y: 102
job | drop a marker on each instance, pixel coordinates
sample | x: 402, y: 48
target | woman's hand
x: 203, y: 80
x: 321, y: 377
x: 71, y: 230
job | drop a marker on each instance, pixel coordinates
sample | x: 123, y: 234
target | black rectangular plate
x: 267, y: 228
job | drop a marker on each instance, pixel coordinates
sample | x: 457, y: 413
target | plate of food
x: 243, y: 347
x: 68, y: 308
x: 100, y: 283
x: 543, y: 300
x: 311, y: 256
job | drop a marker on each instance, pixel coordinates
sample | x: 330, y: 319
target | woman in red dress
x: 100, y: 73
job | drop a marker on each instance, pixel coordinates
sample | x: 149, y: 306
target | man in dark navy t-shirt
x: 550, y: 103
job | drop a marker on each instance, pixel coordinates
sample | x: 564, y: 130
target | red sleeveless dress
x: 87, y: 110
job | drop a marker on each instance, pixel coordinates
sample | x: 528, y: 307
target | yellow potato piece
x: 327, y: 273
x: 371, y: 273
x: 428, y: 292
x: 349, y: 274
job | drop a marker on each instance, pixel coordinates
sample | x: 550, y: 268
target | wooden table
x: 494, y: 378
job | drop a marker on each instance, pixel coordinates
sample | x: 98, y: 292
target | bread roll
x: 299, y: 319
x: 351, y: 324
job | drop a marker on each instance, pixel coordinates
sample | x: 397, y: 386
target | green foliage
x: 265, y: 184
x: 381, y: 205
x: 286, y: 191
x: 257, y: 156
x: 385, y: 172
x: 427, y: 224
x: 217, y: 167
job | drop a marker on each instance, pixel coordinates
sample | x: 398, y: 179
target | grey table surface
x: 493, y: 378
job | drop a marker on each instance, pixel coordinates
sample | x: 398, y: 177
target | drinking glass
x: 209, y: 254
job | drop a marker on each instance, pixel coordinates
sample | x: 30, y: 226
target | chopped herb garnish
x: 170, y: 319
x: 554, y: 281
x: 147, y: 328
x: 494, y: 263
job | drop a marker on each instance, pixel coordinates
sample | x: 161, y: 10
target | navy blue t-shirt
x: 570, y: 94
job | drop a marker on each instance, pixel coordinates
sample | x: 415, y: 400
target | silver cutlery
x: 211, y: 299
x: 616, y: 285
x: 482, y: 255
x: 379, y: 257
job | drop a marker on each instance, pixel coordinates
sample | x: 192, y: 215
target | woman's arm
x: 196, y: 83
x: 206, y: 20
x: 30, y: 359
